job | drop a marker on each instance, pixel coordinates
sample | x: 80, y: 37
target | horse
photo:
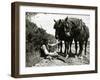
x: 61, y: 35
x: 79, y: 31
x: 58, y: 34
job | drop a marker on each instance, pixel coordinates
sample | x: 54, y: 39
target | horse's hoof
x: 80, y: 57
x: 67, y: 56
x: 76, y: 56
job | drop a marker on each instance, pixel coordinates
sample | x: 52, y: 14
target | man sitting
x: 47, y: 52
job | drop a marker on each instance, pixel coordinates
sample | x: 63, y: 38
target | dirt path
x: 66, y: 61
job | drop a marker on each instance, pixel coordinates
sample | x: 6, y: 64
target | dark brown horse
x: 62, y: 35
x: 58, y: 33
x: 79, y: 31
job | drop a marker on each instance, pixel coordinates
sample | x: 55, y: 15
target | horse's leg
x: 65, y: 48
x: 70, y: 46
x: 75, y: 47
x: 60, y: 46
x: 85, y: 46
x: 68, y: 49
x: 81, y: 48
x: 66, y: 52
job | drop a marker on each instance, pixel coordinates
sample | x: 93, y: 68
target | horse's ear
x: 60, y: 20
x: 66, y: 18
x: 54, y: 20
x: 81, y: 19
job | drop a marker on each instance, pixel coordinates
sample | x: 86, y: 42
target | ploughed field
x: 61, y: 61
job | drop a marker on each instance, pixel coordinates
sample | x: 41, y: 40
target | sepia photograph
x: 57, y: 39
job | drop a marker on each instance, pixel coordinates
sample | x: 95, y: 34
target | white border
x: 36, y: 70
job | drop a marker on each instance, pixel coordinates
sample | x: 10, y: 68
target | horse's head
x: 67, y: 27
x: 79, y: 26
x: 57, y: 27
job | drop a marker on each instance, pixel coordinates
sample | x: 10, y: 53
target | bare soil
x: 61, y: 61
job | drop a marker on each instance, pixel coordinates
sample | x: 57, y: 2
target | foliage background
x: 35, y: 38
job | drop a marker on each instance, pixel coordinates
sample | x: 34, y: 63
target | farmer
x: 44, y: 47
x: 48, y: 54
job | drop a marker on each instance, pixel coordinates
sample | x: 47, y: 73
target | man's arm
x: 53, y: 44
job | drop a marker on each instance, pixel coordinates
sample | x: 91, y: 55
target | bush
x: 35, y: 37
